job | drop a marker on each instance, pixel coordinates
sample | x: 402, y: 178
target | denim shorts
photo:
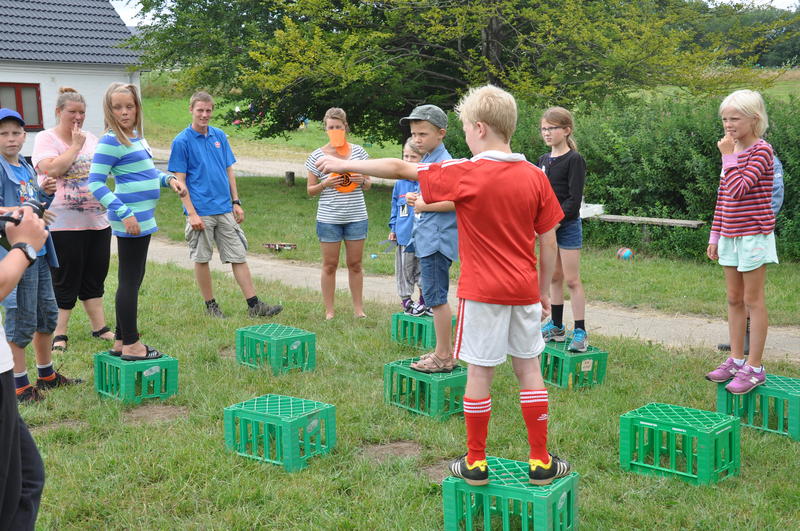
x: 435, y: 272
x: 35, y: 309
x: 747, y: 253
x: 569, y: 235
x: 336, y: 232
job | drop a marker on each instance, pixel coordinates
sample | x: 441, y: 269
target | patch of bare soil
x: 68, y: 423
x: 380, y: 453
x: 227, y: 353
x: 437, y: 471
x: 155, y: 413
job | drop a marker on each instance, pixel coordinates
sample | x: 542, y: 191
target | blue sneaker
x: 551, y: 332
x: 579, y: 341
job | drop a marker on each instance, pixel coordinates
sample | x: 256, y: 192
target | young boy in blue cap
x: 31, y: 311
x: 434, y: 238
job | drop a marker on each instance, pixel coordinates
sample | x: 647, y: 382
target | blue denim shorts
x: 435, y: 272
x: 35, y: 309
x: 569, y: 235
x: 336, y: 232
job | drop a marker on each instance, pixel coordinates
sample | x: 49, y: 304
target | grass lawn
x: 277, y: 213
x: 105, y: 471
x: 166, y: 117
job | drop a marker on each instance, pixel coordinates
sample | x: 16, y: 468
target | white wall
x: 90, y: 80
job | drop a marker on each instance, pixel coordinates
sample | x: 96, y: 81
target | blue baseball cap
x: 9, y: 113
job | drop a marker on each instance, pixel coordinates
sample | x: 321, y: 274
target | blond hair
x: 751, y: 104
x: 335, y: 113
x: 563, y: 118
x: 413, y: 147
x: 200, y: 96
x: 67, y: 94
x: 108, y: 114
x: 492, y: 106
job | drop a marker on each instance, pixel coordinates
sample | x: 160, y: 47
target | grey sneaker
x: 262, y: 309
x: 212, y: 309
x: 551, y: 332
x: 579, y: 341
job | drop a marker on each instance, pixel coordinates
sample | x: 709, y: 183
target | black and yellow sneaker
x: 475, y: 474
x: 544, y: 474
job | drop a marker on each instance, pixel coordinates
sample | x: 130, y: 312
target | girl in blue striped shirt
x: 131, y: 206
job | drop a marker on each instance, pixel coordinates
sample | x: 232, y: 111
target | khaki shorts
x: 487, y: 333
x: 222, y: 229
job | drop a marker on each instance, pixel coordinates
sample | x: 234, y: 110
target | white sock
x: 739, y: 363
x: 757, y: 370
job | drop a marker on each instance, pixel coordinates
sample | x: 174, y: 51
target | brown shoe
x: 432, y: 364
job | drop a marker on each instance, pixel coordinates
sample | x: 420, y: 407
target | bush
x: 658, y: 157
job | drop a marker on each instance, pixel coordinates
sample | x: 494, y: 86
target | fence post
x: 289, y: 178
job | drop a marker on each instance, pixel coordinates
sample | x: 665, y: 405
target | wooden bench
x: 645, y: 222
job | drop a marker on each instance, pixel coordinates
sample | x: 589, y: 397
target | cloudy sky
x: 129, y: 8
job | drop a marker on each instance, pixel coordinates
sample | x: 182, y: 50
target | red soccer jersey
x: 502, y: 202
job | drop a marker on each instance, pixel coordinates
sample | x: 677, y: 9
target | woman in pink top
x: 81, y: 232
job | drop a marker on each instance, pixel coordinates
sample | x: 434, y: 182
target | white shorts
x: 487, y: 333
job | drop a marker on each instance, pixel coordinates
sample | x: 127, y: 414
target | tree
x: 287, y: 59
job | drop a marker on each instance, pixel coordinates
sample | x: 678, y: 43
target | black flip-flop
x: 152, y: 354
x: 97, y: 333
x: 115, y: 353
x: 53, y: 346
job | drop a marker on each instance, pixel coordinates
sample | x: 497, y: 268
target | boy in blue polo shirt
x: 434, y: 237
x: 31, y: 310
x: 202, y: 159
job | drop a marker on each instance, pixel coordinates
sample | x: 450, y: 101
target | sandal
x: 431, y: 364
x: 60, y: 348
x: 152, y: 354
x: 99, y: 333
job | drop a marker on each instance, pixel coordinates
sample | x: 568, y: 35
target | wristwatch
x: 30, y: 252
x: 236, y: 202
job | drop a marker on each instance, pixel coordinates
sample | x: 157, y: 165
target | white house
x: 47, y: 44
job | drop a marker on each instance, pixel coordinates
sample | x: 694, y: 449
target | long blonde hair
x: 108, y: 115
x: 563, y: 118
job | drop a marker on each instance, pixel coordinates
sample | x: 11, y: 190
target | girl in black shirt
x: 566, y: 170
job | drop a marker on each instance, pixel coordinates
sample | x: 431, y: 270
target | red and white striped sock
x: 534, y: 410
x: 476, y: 417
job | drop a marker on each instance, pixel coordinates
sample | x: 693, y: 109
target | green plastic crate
x: 415, y: 331
x: 437, y: 395
x: 773, y: 406
x: 697, y: 446
x: 283, y: 348
x: 134, y: 381
x: 511, y: 501
x: 281, y: 430
x: 569, y: 370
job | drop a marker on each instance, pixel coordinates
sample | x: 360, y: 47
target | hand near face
x: 726, y: 144
x: 78, y: 136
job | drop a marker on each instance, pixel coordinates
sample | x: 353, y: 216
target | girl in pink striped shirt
x: 742, y: 237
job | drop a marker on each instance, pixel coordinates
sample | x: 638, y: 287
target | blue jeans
x: 435, y: 270
x: 569, y: 235
x: 35, y: 309
x: 336, y: 232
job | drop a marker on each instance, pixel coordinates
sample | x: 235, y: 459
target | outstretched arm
x: 382, y: 168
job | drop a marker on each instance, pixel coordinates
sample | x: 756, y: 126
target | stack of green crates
x: 773, y: 406
x: 509, y: 501
x: 281, y: 347
x: 569, y: 370
x: 697, y: 446
x: 134, y: 381
x: 438, y: 395
x: 281, y: 430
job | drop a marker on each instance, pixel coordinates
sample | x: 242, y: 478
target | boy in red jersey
x: 502, y: 203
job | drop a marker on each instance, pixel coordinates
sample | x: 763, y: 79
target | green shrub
x: 658, y: 157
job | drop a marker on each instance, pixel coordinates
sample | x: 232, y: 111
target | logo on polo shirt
x: 217, y: 144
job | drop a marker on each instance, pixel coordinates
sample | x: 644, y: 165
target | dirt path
x: 648, y: 325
